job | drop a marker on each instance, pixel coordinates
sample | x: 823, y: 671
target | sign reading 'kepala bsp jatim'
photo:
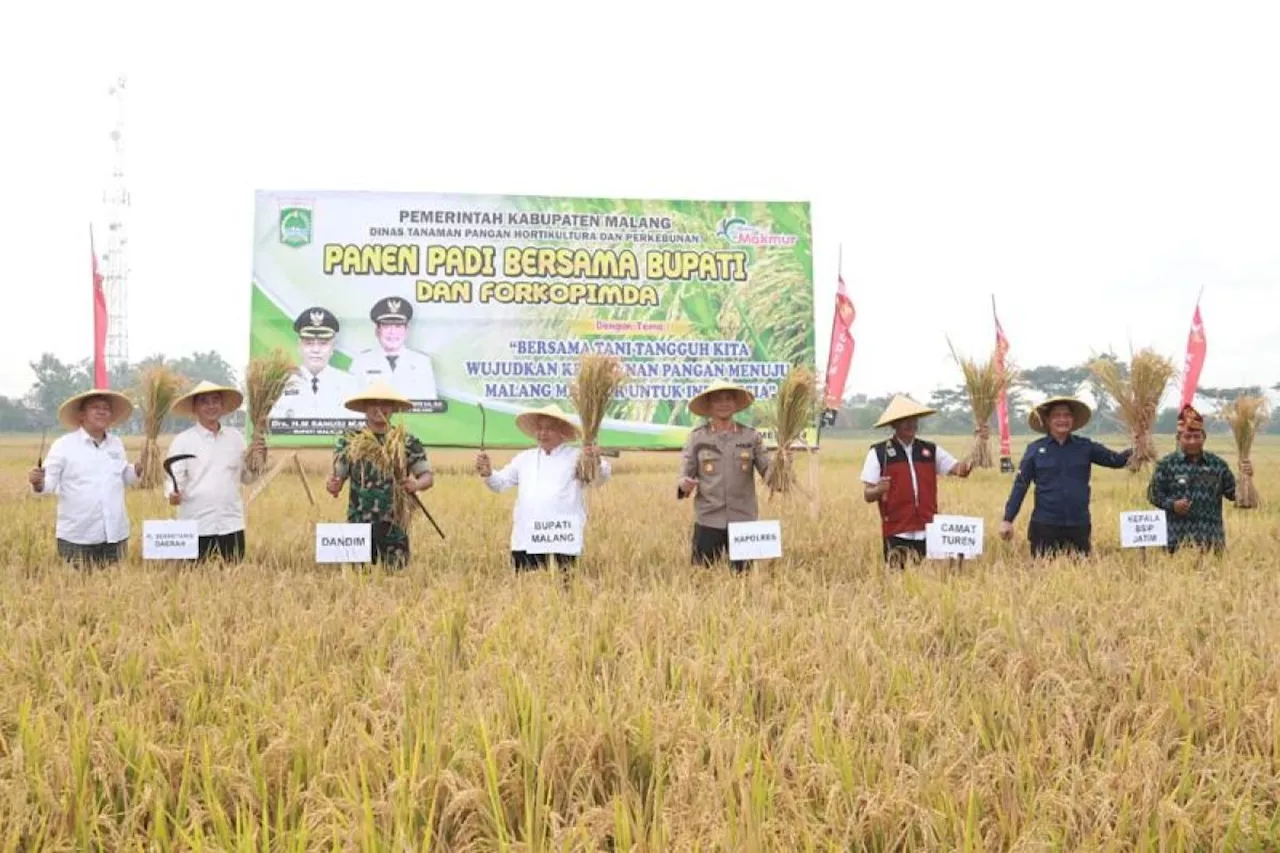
x: 460, y: 300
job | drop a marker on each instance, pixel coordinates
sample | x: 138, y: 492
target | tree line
x: 56, y: 380
x: 954, y: 417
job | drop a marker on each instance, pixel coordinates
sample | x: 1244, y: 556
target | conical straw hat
x: 185, y: 405
x: 121, y: 407
x: 1038, y: 419
x: 378, y: 392
x: 903, y: 407
x: 526, y: 420
x: 700, y: 405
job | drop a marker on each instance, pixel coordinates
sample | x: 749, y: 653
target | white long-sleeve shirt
x: 210, y: 483
x: 547, y: 488
x: 89, y: 479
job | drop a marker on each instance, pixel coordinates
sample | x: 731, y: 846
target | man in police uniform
x: 407, y: 370
x: 318, y: 390
x: 719, y: 462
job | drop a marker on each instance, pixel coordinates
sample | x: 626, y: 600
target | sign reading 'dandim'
x: 170, y: 540
x: 1145, y: 529
x: 755, y: 540
x: 950, y: 536
x: 561, y: 534
x: 344, y: 543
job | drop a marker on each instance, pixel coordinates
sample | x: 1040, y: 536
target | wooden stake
x: 266, y: 479
x: 302, y: 475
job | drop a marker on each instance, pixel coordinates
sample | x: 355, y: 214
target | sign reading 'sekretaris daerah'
x: 460, y: 300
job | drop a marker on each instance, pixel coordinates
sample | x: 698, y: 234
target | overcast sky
x: 1093, y: 165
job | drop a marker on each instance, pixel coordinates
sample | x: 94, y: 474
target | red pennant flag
x: 1196, y: 349
x: 841, y: 352
x: 99, y: 322
x: 1002, y: 405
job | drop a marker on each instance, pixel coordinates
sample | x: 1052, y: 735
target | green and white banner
x: 459, y: 300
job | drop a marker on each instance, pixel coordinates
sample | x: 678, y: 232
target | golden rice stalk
x: 1137, y: 396
x: 984, y: 382
x: 388, y: 456
x: 158, y: 387
x: 265, y: 381
x: 1246, y: 415
x: 599, y: 377
x: 794, y: 409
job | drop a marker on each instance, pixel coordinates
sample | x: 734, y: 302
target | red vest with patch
x: 901, y: 511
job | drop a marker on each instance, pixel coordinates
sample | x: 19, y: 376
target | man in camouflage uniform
x: 371, y: 498
x: 719, y: 462
x: 1190, y: 485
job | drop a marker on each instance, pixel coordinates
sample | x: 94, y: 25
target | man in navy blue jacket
x: 1060, y: 465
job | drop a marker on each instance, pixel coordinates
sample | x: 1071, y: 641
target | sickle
x: 40, y: 459
x: 168, y: 466
x: 480, y: 406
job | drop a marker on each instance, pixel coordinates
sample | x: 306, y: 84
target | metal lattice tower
x: 116, y: 258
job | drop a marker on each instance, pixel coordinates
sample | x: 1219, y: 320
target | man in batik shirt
x: 1190, y: 485
x: 378, y: 470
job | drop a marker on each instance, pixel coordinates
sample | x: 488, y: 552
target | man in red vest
x: 901, y: 475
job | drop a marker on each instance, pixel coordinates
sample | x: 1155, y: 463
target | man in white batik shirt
x: 88, y: 471
x: 208, y: 490
x: 546, y: 476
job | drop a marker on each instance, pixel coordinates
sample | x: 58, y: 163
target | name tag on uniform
x: 170, y: 540
x: 755, y: 540
x: 561, y: 534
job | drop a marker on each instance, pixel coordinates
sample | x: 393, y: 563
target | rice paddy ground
x: 818, y: 703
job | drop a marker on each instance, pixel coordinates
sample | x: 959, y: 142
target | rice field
x: 818, y: 703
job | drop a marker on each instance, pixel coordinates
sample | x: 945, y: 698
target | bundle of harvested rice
x: 794, y: 410
x: 1247, y: 415
x: 984, y: 382
x: 158, y: 387
x: 1137, y: 396
x: 599, y: 377
x: 265, y: 381
x: 389, y: 458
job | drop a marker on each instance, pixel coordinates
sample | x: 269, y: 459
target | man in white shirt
x: 318, y: 390
x: 208, y: 486
x: 407, y: 370
x: 900, y: 475
x: 88, y: 471
x: 549, y: 489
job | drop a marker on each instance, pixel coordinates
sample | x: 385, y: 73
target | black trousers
x: 899, y: 551
x: 228, y: 546
x: 710, y: 545
x: 523, y: 561
x: 1048, y: 540
x: 390, y: 546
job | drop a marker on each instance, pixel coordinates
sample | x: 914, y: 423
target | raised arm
x: 506, y: 477
x: 688, y: 468
x: 1228, y: 483
x: 50, y: 476
x: 761, y: 457
x: 1106, y: 457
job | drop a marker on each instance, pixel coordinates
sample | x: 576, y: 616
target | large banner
x: 459, y: 300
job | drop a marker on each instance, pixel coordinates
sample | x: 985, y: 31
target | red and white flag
x: 840, y: 354
x: 1002, y: 405
x: 99, y: 321
x: 1194, y: 363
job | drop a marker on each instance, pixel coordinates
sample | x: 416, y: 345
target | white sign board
x: 1146, y: 529
x: 755, y: 540
x: 561, y: 534
x: 950, y: 536
x: 344, y: 543
x: 170, y: 540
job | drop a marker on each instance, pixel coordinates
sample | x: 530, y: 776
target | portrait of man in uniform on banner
x: 318, y: 389
x: 392, y: 361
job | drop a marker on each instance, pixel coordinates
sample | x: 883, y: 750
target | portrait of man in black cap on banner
x: 318, y: 390
x: 407, y: 370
